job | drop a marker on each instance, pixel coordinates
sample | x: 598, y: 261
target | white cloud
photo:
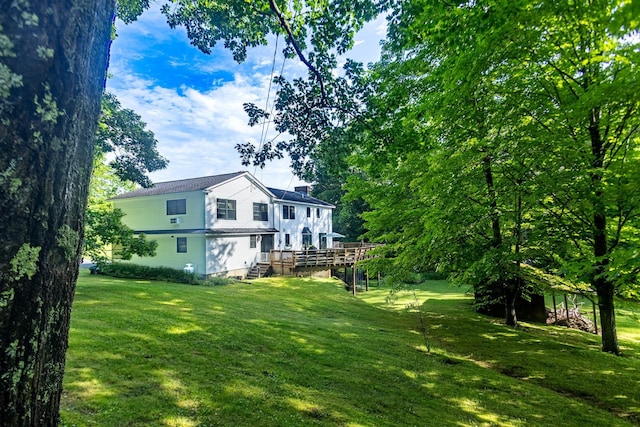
x: 197, y: 131
x: 194, y: 111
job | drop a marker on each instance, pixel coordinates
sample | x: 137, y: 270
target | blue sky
x: 193, y: 102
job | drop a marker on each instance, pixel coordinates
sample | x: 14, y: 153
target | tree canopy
x: 525, y: 143
x: 123, y: 134
x: 490, y: 135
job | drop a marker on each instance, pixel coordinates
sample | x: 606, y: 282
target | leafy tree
x: 323, y: 25
x: 105, y: 182
x: 545, y: 110
x: 529, y: 108
x: 585, y: 61
x: 330, y: 171
x: 471, y: 188
x: 106, y: 237
x: 122, y: 133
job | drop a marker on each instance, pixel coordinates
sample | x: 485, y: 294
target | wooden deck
x: 284, y: 262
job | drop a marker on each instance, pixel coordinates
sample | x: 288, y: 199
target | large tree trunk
x: 53, y: 59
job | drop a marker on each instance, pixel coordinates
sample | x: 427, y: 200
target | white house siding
x: 245, y: 193
x: 294, y: 227
x: 219, y: 246
x: 231, y: 256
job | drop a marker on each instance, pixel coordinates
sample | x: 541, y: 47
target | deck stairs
x: 262, y: 269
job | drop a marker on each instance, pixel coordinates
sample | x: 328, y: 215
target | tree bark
x: 509, y: 289
x: 607, y: 318
x: 510, y: 296
x: 53, y: 59
x: 493, y: 204
x: 604, y: 287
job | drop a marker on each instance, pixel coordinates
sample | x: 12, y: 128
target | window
x: 226, y: 209
x: 308, y: 212
x: 260, y: 212
x: 317, y: 212
x: 287, y: 239
x: 177, y: 207
x: 306, y: 238
x: 181, y: 243
x: 253, y: 240
x: 288, y: 212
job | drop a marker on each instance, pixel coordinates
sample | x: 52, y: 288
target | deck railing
x: 322, y: 258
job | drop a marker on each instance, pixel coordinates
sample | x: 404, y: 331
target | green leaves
x: 513, y: 126
x: 123, y: 135
x: 129, y: 10
x: 106, y: 237
x: 324, y: 24
x: 122, y: 132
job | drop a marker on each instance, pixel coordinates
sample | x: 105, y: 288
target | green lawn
x: 291, y: 352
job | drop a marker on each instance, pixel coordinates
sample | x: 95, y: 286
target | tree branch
x: 285, y: 25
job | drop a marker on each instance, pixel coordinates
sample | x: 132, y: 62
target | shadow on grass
x: 565, y: 361
x: 294, y: 352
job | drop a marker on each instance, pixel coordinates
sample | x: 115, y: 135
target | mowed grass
x: 298, y: 351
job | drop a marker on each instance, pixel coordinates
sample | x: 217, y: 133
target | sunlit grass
x: 292, y: 352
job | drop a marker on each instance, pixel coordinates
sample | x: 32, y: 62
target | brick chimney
x: 305, y: 189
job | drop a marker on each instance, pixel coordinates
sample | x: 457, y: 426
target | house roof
x: 293, y: 196
x: 202, y: 183
x: 191, y: 184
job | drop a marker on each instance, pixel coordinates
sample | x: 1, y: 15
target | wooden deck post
x: 366, y: 278
x: 595, y: 317
x: 354, y: 279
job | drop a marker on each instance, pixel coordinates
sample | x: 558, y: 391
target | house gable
x: 232, y: 205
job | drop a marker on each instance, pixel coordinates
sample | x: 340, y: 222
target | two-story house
x: 224, y: 224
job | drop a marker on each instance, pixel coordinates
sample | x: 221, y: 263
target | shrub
x: 434, y: 275
x: 143, y: 272
x: 415, y: 278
